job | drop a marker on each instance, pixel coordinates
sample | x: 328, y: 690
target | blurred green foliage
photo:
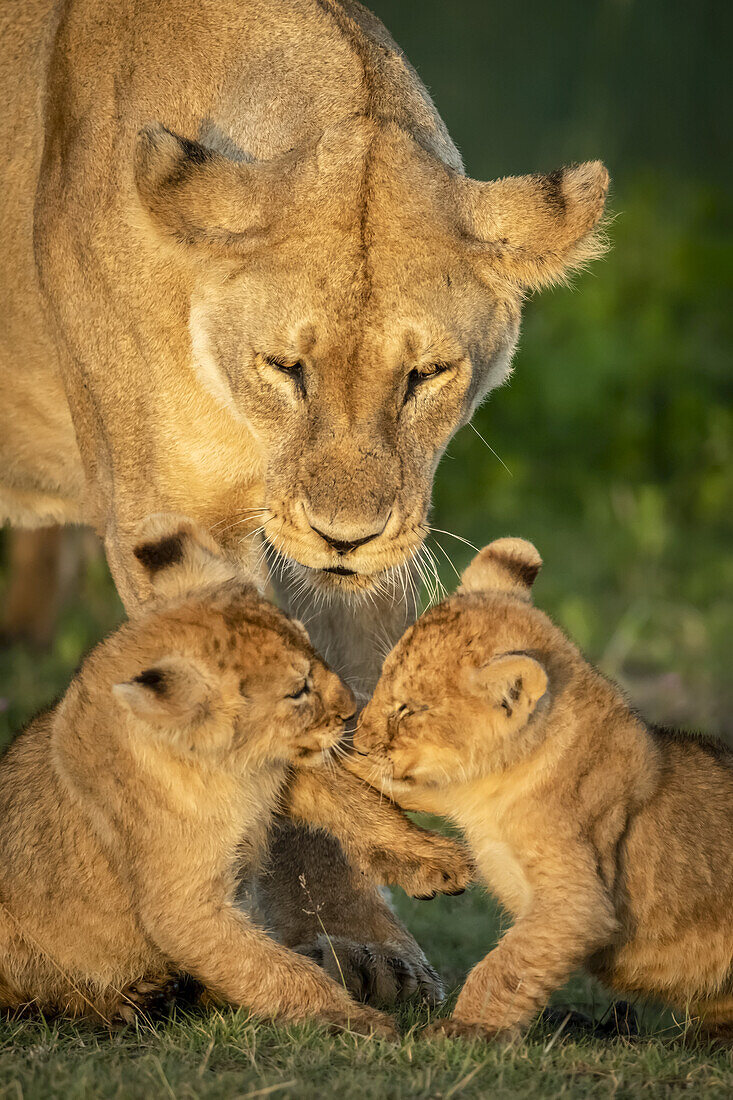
x: 527, y: 86
x: 617, y: 425
x: 31, y: 680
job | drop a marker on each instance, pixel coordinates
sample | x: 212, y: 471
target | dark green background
x: 617, y: 425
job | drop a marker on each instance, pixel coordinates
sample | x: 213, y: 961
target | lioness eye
x: 295, y: 370
x: 417, y: 377
x: 302, y: 691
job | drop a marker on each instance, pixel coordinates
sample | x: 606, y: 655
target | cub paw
x: 155, y: 998
x: 463, y: 1029
x: 364, y: 1021
x: 445, y: 868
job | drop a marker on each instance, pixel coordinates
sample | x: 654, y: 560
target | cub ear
x: 514, y: 684
x: 200, y: 197
x: 177, y: 558
x: 506, y: 565
x: 535, y: 230
x: 171, y: 692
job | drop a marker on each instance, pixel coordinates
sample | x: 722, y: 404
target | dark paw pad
x: 377, y: 973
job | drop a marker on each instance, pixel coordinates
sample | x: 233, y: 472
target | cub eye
x: 295, y: 370
x: 417, y: 377
x: 302, y: 691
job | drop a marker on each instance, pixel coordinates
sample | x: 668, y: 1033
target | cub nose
x: 364, y: 739
x: 338, y: 698
x: 345, y: 703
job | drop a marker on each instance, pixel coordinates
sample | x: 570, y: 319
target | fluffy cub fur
x: 131, y: 812
x: 609, y: 841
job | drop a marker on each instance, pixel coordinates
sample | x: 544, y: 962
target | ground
x: 224, y: 1054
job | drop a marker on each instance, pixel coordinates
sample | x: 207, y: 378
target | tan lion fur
x: 198, y: 195
x: 131, y: 813
x: 607, y: 840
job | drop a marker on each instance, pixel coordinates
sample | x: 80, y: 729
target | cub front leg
x: 376, y: 835
x: 240, y: 964
x: 365, y: 943
x: 507, y: 989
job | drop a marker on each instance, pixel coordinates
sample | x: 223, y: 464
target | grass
x: 226, y: 1054
x: 229, y: 1057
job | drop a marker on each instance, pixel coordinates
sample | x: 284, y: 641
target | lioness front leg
x: 376, y: 835
x: 314, y: 900
x: 241, y: 965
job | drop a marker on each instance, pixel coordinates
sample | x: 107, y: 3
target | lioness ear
x: 514, y: 684
x: 201, y: 197
x: 178, y: 558
x: 506, y: 565
x: 173, y: 691
x: 535, y: 230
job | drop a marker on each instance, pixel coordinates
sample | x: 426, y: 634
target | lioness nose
x: 344, y: 545
x: 341, y: 545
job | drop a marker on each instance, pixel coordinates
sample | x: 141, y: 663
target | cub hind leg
x: 716, y: 1018
x: 154, y: 997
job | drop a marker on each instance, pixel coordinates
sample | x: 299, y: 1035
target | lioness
x: 245, y: 278
x: 609, y: 841
x: 131, y: 812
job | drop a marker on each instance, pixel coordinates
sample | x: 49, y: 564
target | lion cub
x: 132, y: 810
x: 610, y: 842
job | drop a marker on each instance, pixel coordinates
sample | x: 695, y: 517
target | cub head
x: 216, y: 669
x: 350, y: 303
x: 462, y: 693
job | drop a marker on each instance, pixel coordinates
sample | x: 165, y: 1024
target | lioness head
x: 352, y: 302
x: 458, y: 695
x: 216, y: 668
